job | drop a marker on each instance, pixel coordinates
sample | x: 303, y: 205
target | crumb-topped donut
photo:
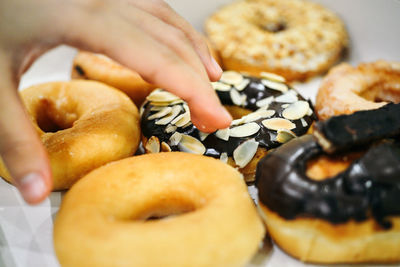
x: 347, y: 89
x: 165, y: 209
x: 268, y: 113
x: 83, y: 125
x: 350, y: 216
x: 293, y: 38
x: 100, y: 68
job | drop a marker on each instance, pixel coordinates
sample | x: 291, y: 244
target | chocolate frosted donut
x: 275, y: 113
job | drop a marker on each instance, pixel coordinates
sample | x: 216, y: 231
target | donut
x: 335, y: 208
x: 294, y: 38
x: 100, y: 68
x: 347, y: 89
x: 83, y: 125
x: 267, y: 113
x: 165, y: 209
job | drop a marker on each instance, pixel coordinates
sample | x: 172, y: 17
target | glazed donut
x: 166, y: 209
x: 347, y: 89
x: 100, y: 68
x: 293, y: 38
x: 83, y: 125
x: 344, y: 211
x: 268, y: 112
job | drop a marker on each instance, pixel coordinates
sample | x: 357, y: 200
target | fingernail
x: 32, y: 187
x: 216, y: 66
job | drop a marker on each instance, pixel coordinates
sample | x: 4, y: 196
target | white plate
x: 26, y: 231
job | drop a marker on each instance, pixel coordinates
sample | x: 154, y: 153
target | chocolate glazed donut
x: 370, y: 186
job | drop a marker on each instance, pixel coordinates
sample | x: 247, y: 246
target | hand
x: 144, y: 35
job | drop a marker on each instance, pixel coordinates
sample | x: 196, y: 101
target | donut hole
x: 237, y: 112
x: 166, y: 208
x: 382, y: 92
x: 273, y: 26
x: 325, y: 167
x: 51, y: 118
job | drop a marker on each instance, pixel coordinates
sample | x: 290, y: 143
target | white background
x: 26, y: 231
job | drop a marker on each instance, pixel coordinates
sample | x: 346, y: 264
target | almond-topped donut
x: 294, y: 38
x: 267, y: 113
x: 347, y: 89
x: 83, y: 125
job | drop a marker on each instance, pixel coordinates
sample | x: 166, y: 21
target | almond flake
x: 160, y: 113
x: 175, y: 139
x: 190, y: 144
x: 237, y: 98
x: 275, y: 85
x: 242, y: 85
x: 272, y: 76
x: 238, y: 121
x: 245, y: 152
x: 278, y: 123
x: 160, y: 95
x: 167, y: 119
x: 170, y: 128
x: 157, y: 108
x: 303, y: 122
x: 221, y: 86
x: 284, y: 135
x: 288, y: 97
x: 231, y: 77
x: 265, y: 102
x: 244, y: 130
x: 152, y: 145
x: 181, y: 120
x: 203, y: 135
x: 165, y: 147
x: 224, y: 157
x: 223, y: 134
x: 296, y: 110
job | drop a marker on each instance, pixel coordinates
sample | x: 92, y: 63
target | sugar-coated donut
x: 165, y: 209
x: 267, y: 112
x: 100, y: 68
x: 347, y: 89
x: 342, y: 207
x: 83, y: 125
x: 294, y: 38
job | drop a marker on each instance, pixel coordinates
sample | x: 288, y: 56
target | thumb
x: 20, y: 147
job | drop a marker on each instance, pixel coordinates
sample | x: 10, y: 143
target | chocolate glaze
x: 359, y: 128
x: 254, y: 92
x: 369, y: 187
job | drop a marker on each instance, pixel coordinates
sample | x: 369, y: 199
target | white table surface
x: 26, y: 231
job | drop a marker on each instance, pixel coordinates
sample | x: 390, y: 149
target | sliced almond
x: 160, y: 95
x: 237, y: 98
x: 272, y: 76
x: 221, y: 86
x: 296, y: 110
x: 167, y: 119
x: 191, y: 145
x: 309, y: 112
x: 244, y: 130
x: 141, y: 111
x: 152, y: 145
x: 275, y: 85
x: 223, y: 134
x: 157, y: 108
x: 284, y: 135
x: 181, y: 120
x: 242, y: 85
x: 224, y: 157
x: 264, y: 102
x: 231, y: 77
x: 165, y: 147
x: 288, y: 97
x: 245, y: 152
x: 175, y: 139
x: 203, y: 135
x: 160, y: 113
x: 303, y: 122
x: 238, y: 121
x: 170, y: 128
x: 278, y: 123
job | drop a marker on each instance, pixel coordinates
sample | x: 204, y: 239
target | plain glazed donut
x: 347, y: 89
x: 267, y: 112
x: 340, y: 208
x: 166, y: 209
x: 100, y: 68
x: 83, y: 125
x: 293, y: 38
